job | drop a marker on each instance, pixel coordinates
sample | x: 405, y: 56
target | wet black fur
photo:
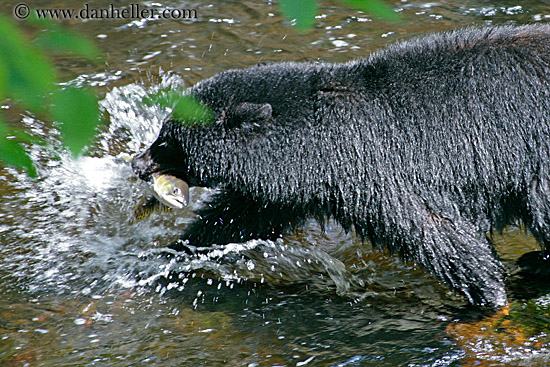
x: 422, y: 148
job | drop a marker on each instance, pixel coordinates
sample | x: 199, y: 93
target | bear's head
x: 253, y: 140
x: 181, y: 145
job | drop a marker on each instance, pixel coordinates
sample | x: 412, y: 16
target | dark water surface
x: 80, y: 286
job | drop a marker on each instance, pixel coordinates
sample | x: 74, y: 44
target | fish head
x: 171, y: 191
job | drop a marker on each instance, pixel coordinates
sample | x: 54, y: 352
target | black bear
x: 423, y: 148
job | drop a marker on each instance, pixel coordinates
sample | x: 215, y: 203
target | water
x: 81, y: 285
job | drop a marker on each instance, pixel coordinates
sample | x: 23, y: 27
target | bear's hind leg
x: 537, y: 263
x: 452, y: 249
x: 465, y: 259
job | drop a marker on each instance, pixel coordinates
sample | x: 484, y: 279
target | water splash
x: 271, y: 263
x: 69, y: 231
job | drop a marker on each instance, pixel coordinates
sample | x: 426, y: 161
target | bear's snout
x: 144, y: 166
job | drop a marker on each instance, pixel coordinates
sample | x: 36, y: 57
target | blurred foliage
x: 77, y: 109
x: 60, y: 40
x: 11, y: 151
x: 28, y: 79
x: 303, y: 12
x: 184, y: 108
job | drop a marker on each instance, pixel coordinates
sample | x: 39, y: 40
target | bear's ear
x: 249, y: 115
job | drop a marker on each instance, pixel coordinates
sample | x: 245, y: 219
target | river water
x: 82, y: 285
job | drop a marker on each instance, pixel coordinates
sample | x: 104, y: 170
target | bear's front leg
x: 230, y: 217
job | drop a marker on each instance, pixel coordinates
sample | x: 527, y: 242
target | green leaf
x: 29, y: 76
x: 191, y: 110
x: 375, y: 7
x: 57, y: 39
x: 302, y: 11
x: 12, y: 152
x: 77, y: 111
x: 186, y: 109
x: 3, y: 79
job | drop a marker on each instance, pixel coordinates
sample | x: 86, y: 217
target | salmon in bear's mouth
x: 170, y: 190
x: 147, y: 170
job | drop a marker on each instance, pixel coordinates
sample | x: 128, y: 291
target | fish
x: 169, y: 192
